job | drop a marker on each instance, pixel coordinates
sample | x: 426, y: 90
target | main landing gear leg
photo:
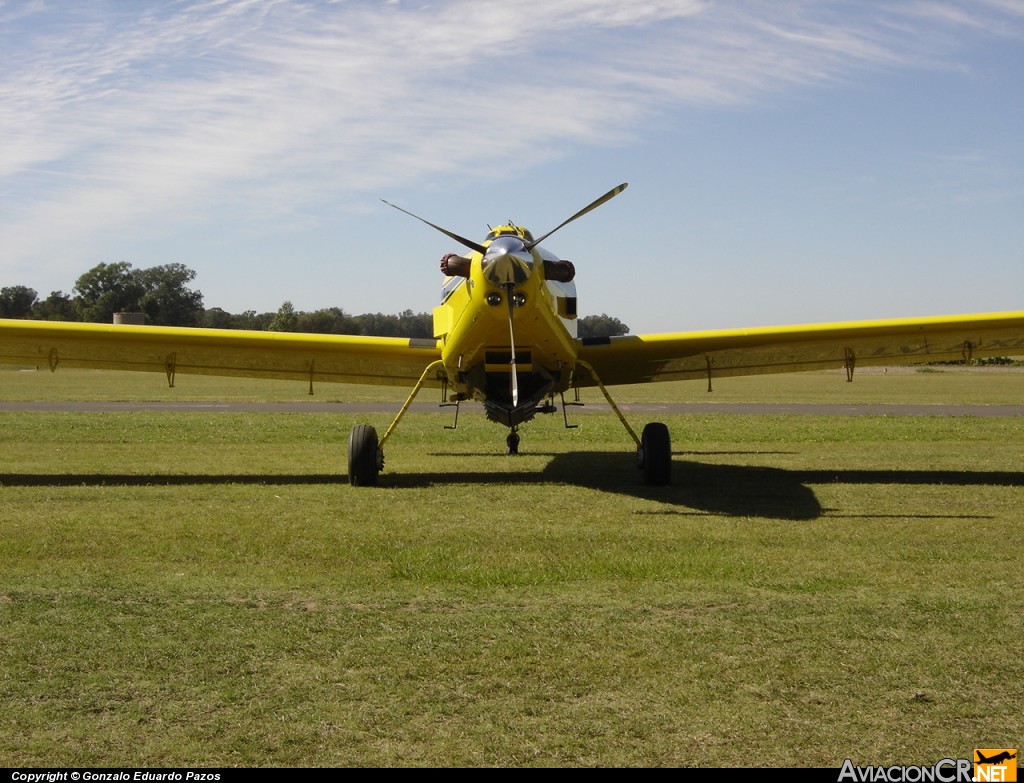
x: 653, y: 447
x: 365, y: 452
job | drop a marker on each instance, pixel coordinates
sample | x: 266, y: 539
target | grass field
x: 201, y: 589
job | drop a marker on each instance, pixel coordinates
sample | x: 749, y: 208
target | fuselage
x: 508, y: 329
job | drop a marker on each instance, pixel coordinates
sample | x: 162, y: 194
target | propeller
x: 509, y: 284
x: 461, y: 240
x: 592, y: 205
x: 529, y: 245
x: 514, y: 378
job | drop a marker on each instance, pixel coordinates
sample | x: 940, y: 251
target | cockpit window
x: 510, y: 230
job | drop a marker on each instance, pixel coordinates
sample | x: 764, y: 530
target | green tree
x: 56, y: 307
x: 107, y: 289
x: 161, y: 292
x: 600, y: 326
x: 286, y: 319
x: 378, y: 324
x: 329, y: 320
x: 250, y: 319
x: 16, y: 301
x: 167, y: 300
x: 217, y: 318
x: 412, y: 324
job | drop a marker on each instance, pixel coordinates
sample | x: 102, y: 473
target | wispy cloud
x: 115, y: 113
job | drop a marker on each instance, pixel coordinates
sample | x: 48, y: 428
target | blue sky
x: 788, y: 161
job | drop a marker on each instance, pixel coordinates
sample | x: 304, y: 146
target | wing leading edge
x: 617, y: 360
x: 172, y: 350
x: 691, y: 355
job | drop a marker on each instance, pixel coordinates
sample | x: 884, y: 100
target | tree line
x: 163, y: 295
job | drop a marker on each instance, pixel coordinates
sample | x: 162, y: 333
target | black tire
x: 657, y: 454
x: 362, y: 456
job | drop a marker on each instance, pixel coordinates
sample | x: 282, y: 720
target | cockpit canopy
x: 510, y: 230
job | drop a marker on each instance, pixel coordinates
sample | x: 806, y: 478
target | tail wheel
x: 656, y: 454
x: 363, y: 467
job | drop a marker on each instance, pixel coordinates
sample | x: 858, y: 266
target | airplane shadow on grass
x: 697, y: 488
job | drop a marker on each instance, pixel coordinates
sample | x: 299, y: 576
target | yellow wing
x: 172, y: 350
x: 715, y: 354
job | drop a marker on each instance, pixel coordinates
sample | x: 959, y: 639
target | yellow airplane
x: 505, y: 335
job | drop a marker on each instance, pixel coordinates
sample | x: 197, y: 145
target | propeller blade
x: 593, y: 205
x: 461, y: 240
x: 514, y: 378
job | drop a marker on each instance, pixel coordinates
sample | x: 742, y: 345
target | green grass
x: 200, y: 589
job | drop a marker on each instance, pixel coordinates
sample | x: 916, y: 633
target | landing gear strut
x: 366, y: 452
x: 653, y: 448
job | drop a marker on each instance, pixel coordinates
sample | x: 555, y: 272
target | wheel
x: 362, y: 456
x: 656, y: 459
x: 513, y: 443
